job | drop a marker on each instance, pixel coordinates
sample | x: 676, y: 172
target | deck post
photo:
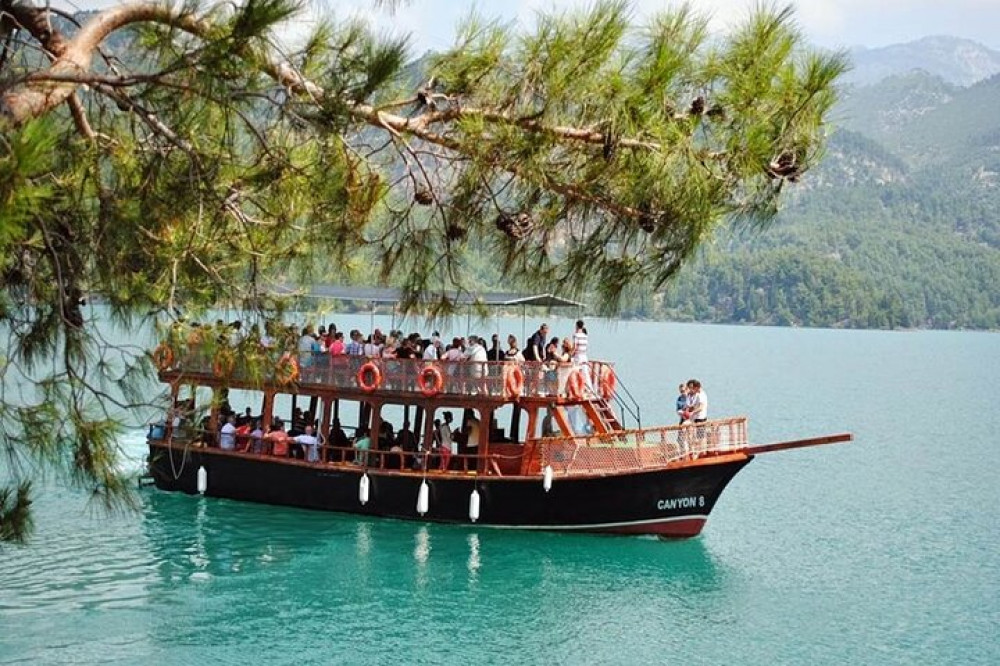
x: 559, y: 416
x: 515, y: 423
x: 267, y: 414
x: 374, y: 431
x: 168, y: 431
x: 311, y: 414
x: 485, y: 425
x: 213, y: 419
x: 325, y: 427
x: 427, y: 442
x: 418, y: 421
x: 532, y: 429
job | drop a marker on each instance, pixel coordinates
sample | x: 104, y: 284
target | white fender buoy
x: 363, y: 487
x: 202, y: 480
x: 474, y: 505
x: 423, y: 498
x: 547, y: 478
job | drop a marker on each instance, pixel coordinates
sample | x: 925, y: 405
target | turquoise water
x: 882, y: 551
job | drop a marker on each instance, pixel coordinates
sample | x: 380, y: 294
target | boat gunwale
x: 710, y: 458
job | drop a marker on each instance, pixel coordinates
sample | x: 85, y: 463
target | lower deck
x: 673, y: 501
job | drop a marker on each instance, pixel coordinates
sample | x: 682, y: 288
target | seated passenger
x: 406, y: 439
x: 256, y: 438
x: 362, y: 443
x: 309, y: 443
x: 227, y: 437
x: 243, y: 436
x: 338, y: 442
x: 298, y: 423
x: 277, y: 440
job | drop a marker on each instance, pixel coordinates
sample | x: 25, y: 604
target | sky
x: 827, y: 23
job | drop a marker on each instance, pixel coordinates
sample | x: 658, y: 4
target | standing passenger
x: 580, y: 343
x: 535, y: 349
x: 278, y: 440
x: 698, y: 401
x: 513, y: 352
x: 682, y: 404
x: 495, y: 353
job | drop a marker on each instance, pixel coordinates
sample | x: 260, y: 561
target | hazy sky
x: 829, y: 23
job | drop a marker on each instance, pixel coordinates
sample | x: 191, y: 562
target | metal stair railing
x: 631, y: 406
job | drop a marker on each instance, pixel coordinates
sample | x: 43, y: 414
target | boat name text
x: 681, y: 502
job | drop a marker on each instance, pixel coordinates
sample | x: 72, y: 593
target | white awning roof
x: 391, y: 295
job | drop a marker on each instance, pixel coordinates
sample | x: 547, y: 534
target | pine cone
x: 423, y: 197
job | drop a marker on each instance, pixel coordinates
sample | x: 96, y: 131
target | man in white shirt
x: 308, y: 441
x: 256, y: 437
x: 227, y: 438
x: 697, y: 401
x: 476, y: 354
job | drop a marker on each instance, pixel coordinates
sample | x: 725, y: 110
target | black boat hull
x: 672, y: 502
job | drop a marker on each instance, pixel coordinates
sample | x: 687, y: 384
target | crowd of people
x: 301, y: 439
x: 555, y: 356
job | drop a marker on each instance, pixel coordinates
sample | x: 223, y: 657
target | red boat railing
x: 499, y: 379
x: 650, y: 448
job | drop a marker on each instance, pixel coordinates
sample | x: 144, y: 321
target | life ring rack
x: 609, y: 381
x: 369, y: 377
x: 513, y: 383
x: 575, y: 384
x: 430, y: 381
x: 163, y: 357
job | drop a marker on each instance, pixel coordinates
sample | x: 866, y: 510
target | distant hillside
x: 958, y: 61
x: 898, y: 227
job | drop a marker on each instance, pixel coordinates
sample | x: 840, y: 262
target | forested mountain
x: 899, y: 227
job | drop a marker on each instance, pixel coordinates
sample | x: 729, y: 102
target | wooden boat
x: 591, y: 474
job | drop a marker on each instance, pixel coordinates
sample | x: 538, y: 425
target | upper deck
x: 358, y: 377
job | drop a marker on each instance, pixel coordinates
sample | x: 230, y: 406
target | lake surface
x: 882, y: 551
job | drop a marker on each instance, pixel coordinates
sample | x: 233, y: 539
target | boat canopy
x: 390, y: 295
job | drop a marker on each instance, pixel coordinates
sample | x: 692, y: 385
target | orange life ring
x: 286, y: 370
x: 575, y: 384
x: 223, y: 364
x: 163, y: 356
x: 369, y: 377
x: 513, y: 383
x: 430, y: 381
x: 608, y: 382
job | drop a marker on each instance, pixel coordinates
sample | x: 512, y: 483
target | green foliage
x: 199, y: 163
x: 15, y: 513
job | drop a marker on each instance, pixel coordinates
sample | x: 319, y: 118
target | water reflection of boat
x: 591, y: 474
